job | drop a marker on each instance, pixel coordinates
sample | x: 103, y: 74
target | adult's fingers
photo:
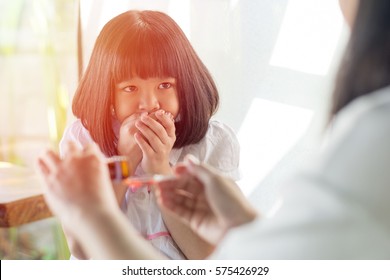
x: 182, y: 190
x: 49, y: 161
x: 42, y: 167
x: 72, y: 147
x: 94, y: 149
x: 175, y: 196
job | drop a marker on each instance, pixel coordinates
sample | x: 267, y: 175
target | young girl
x: 146, y: 95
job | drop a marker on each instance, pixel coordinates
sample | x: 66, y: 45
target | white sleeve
x: 77, y: 133
x: 336, y: 208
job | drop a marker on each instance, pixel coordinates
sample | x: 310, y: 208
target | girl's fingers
x: 153, y: 139
x: 143, y: 144
x: 156, y: 127
x: 167, y: 121
x: 128, y: 125
x: 163, y: 126
x: 130, y: 119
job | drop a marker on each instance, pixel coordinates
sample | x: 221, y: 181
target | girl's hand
x: 156, y: 138
x: 127, y: 146
x: 209, y: 202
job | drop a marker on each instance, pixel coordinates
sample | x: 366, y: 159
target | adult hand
x: 211, y: 203
x: 77, y: 186
x: 156, y: 138
x: 78, y: 190
x: 74, y: 245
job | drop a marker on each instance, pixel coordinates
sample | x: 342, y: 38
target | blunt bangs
x: 144, y: 53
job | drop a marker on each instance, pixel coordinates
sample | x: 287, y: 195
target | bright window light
x: 4, y: 164
x: 308, y: 36
x: 233, y: 4
x: 51, y: 117
x: 99, y: 14
x: 269, y: 131
x: 179, y: 10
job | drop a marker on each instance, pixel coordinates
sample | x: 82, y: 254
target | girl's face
x: 137, y: 95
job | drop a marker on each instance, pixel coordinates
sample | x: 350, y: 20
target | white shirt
x: 219, y: 148
x: 338, y: 207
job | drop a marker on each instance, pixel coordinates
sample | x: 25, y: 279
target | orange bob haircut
x: 146, y: 44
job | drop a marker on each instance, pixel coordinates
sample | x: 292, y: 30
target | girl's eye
x: 130, y: 88
x: 165, y: 85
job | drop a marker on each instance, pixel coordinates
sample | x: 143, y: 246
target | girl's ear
x: 112, y: 109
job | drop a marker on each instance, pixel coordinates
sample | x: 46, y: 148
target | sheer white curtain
x: 273, y: 61
x: 37, y: 74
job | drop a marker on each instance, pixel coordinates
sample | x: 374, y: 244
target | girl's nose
x: 148, y: 103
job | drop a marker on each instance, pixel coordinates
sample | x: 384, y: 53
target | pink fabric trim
x: 158, y: 234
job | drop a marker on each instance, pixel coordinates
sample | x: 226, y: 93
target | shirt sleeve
x: 77, y: 133
x: 335, y: 208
